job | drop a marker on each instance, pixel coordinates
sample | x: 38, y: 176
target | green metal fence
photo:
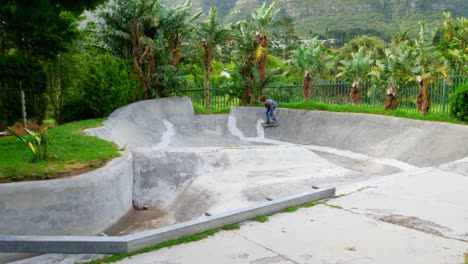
x: 218, y: 98
x: 337, y: 92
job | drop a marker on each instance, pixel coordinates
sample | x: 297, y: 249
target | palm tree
x: 128, y: 31
x: 315, y: 60
x: 356, y: 70
x: 427, y: 67
x: 251, y: 42
x: 454, y: 43
x: 211, y: 34
x: 262, y: 18
x: 390, y: 72
x: 244, y: 58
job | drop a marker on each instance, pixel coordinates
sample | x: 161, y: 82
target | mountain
x: 332, y: 18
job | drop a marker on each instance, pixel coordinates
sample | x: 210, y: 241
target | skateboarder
x: 270, y: 106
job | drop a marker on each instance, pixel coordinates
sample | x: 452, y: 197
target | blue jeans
x: 269, y: 113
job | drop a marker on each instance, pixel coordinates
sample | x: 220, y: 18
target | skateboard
x: 270, y: 125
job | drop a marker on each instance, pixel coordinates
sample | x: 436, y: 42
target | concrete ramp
x: 165, y: 123
x: 186, y: 165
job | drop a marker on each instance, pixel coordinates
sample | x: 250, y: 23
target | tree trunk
x: 355, y: 93
x: 392, y: 100
x: 207, y: 89
x: 208, y: 58
x: 308, y: 85
x: 261, y: 63
x: 423, y: 100
x: 248, y: 96
x: 143, y: 60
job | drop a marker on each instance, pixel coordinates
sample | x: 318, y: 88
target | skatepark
x: 401, y: 187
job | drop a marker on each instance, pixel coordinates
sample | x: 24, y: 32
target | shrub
x: 18, y: 73
x: 459, y: 103
x: 103, y: 84
x: 37, y: 143
x: 74, y: 109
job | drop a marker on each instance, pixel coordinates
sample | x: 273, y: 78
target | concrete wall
x: 160, y: 175
x: 79, y: 205
x: 420, y: 143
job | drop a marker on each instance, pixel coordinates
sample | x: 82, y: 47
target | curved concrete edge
x: 112, y: 245
x: 79, y: 205
x: 419, y: 143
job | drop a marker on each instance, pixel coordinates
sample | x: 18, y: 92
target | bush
x: 459, y: 103
x: 74, y: 109
x: 103, y: 84
x: 18, y: 73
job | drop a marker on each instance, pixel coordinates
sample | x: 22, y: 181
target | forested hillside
x: 342, y: 18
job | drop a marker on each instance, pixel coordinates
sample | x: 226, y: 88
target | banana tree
x: 454, y: 42
x: 128, y: 31
x: 251, y: 50
x: 212, y: 34
x: 428, y: 66
x: 315, y: 61
x: 244, y: 46
x: 356, y: 70
x: 262, y: 18
x: 390, y: 72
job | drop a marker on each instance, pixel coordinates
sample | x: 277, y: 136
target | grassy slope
x: 70, y: 150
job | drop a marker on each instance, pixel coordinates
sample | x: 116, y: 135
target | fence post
x: 23, y: 104
x: 444, y: 92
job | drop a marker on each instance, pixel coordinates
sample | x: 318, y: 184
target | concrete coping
x: 132, y: 242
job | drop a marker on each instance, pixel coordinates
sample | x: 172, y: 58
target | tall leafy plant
x: 454, y: 42
x: 356, y: 70
x: 428, y: 65
x: 315, y: 61
x: 251, y: 47
x: 212, y: 34
x: 37, y: 145
x: 389, y: 73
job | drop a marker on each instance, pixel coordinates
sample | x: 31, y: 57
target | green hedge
x: 459, y: 103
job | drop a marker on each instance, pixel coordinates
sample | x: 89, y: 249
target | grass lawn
x: 70, y: 151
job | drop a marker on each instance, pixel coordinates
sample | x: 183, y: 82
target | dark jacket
x: 270, y: 104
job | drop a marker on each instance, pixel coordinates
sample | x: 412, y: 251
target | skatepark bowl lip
x: 184, y: 153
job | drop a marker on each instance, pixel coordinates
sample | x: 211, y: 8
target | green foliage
x: 454, y: 42
x: 459, y: 103
x: 370, y: 44
x: 231, y: 227
x: 153, y: 37
x: 356, y: 68
x: 264, y: 15
x: 314, y: 57
x: 37, y: 145
x: 103, y: 84
x: 393, y: 68
x: 291, y: 209
x: 261, y: 219
x: 16, y: 73
x: 40, y: 29
x: 427, y: 63
x: 74, y: 108
x: 68, y: 150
